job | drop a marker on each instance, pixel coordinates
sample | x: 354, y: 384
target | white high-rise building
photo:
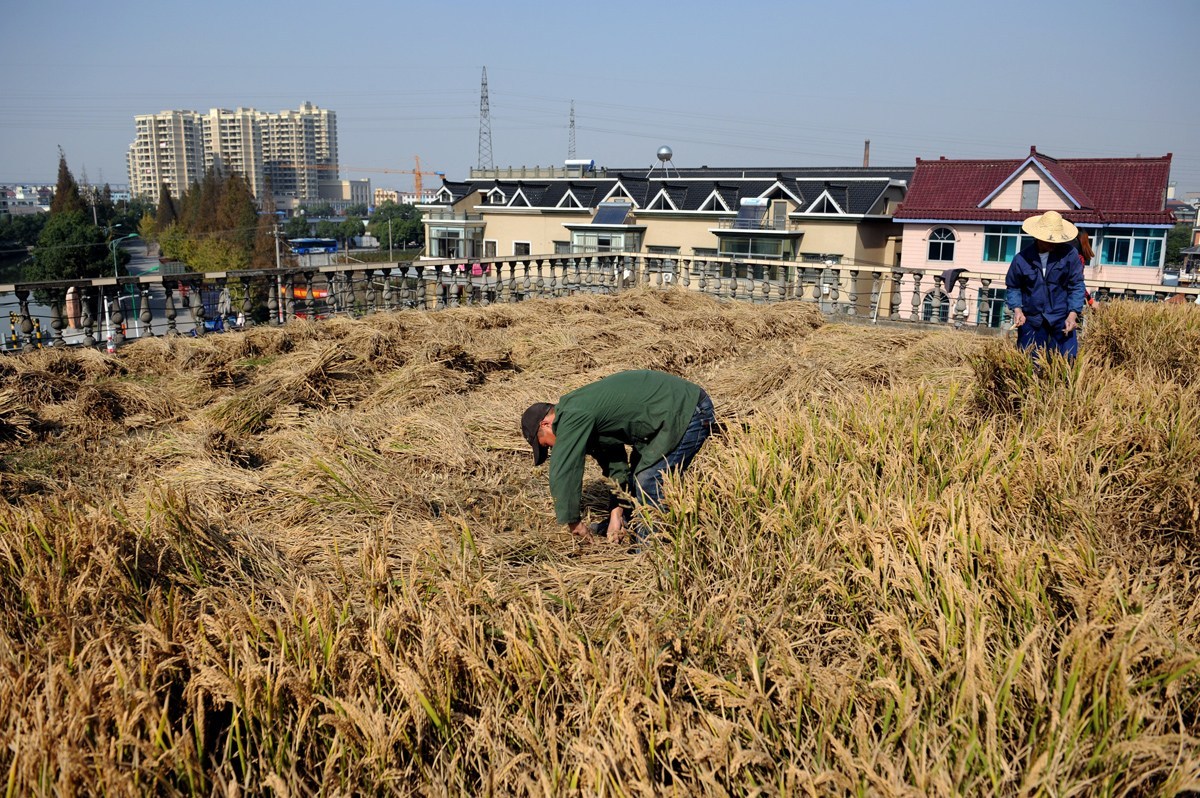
x: 291, y: 151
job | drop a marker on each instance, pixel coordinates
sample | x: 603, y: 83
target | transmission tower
x: 485, y: 126
x: 571, y: 136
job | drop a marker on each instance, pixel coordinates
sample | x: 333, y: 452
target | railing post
x: 876, y: 284
x: 26, y: 321
x: 57, y: 318
x: 894, y: 305
x: 247, y: 309
x: 171, y: 312
x: 289, y: 297
x: 310, y: 300
x: 145, y: 315
x: 272, y: 300
x: 852, y: 307
x: 916, y: 297
x: 117, y: 318
x: 960, y: 304
x: 86, y: 319
x: 196, y: 305
x: 386, y: 271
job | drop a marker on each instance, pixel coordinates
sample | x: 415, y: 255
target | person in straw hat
x: 664, y: 419
x: 1045, y: 286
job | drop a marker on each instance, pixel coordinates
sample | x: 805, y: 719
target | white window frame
x: 942, y: 242
x: 528, y: 246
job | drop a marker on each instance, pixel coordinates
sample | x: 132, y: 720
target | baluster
x: 986, y: 303
x: 939, y: 291
x: 26, y: 321
x: 86, y: 319
x: 685, y: 272
x: 196, y: 304
x: 960, y: 304
x: 916, y: 297
x: 896, y: 298
x: 145, y: 314
x: 58, y: 319
x: 171, y: 312
x: 386, y: 271
x: 310, y: 300
x: 852, y: 294
x: 422, y: 290
x: 117, y: 318
x: 289, y: 297
x: 272, y: 300
x: 835, y: 284
x: 876, y: 286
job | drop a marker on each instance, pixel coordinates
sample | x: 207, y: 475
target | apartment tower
x: 291, y: 151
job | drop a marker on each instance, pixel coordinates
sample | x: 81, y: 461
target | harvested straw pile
x: 318, y: 560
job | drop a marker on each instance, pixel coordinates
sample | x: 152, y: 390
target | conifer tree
x: 66, y: 192
x: 166, y: 215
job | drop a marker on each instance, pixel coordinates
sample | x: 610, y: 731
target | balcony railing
x: 109, y: 311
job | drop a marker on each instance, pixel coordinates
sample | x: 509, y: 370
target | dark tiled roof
x: 1113, y: 190
x: 854, y: 189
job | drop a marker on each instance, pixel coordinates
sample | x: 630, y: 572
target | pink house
x: 963, y: 218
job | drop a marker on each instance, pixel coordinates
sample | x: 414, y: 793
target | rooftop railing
x: 108, y: 312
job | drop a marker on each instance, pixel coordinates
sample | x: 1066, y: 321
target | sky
x: 763, y: 84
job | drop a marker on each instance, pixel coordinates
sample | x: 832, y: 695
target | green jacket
x: 648, y: 410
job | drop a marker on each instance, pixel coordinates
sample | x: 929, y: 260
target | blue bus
x: 305, y: 246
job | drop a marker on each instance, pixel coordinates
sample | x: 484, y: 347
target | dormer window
x: 1029, y: 194
x: 496, y: 197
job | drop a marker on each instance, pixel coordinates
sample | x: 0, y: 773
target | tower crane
x: 417, y: 173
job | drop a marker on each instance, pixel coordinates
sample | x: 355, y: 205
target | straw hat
x: 1050, y: 227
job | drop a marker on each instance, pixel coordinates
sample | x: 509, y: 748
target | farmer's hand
x: 579, y: 529
x: 1070, y: 325
x: 1018, y: 317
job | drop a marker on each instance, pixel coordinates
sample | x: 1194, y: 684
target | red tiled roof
x: 1112, y: 190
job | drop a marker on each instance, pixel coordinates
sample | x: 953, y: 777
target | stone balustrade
x: 110, y: 311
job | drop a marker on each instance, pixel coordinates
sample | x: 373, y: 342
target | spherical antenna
x: 664, y: 153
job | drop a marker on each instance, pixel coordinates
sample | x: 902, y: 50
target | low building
x: 963, y: 217
x: 820, y: 215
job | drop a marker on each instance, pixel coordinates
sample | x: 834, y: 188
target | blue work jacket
x: 1046, y: 301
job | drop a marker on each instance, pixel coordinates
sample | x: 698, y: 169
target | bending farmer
x: 664, y: 418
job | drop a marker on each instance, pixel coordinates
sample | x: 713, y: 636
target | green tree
x: 327, y: 229
x: 23, y: 230
x: 320, y: 209
x: 350, y: 228
x: 166, y: 215
x: 237, y: 215
x: 70, y: 247
x: 264, y: 242
x: 406, y: 225
x: 67, y: 198
x: 1178, y: 237
x: 360, y: 210
x: 297, y: 227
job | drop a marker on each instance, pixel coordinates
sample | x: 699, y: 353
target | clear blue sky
x: 723, y: 83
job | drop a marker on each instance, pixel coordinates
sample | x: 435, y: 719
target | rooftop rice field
x: 318, y: 561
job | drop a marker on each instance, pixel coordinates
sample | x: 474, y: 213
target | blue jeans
x: 1047, y: 339
x: 646, y: 485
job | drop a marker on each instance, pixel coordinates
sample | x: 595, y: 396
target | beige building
x: 168, y: 149
x: 808, y: 215
x: 292, y: 152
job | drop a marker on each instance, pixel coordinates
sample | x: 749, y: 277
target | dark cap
x: 531, y: 419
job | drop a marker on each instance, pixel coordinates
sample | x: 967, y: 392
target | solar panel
x: 611, y: 213
x: 750, y: 214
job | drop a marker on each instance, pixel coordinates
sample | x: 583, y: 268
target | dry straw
x: 318, y: 561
